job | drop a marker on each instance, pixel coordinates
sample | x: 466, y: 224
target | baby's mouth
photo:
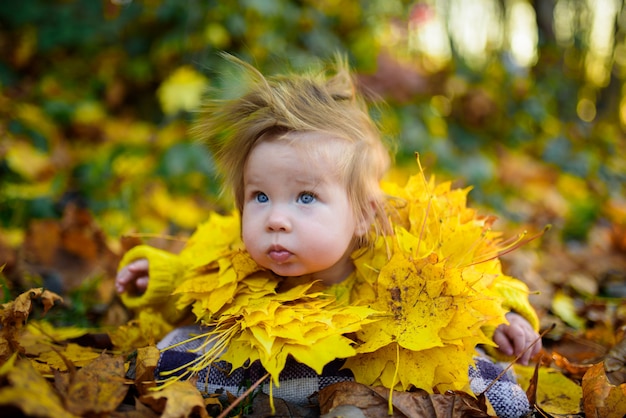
x: 278, y: 254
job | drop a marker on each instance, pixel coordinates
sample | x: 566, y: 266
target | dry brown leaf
x: 43, y: 238
x: 601, y: 399
x: 73, y: 248
x: 373, y: 401
x: 178, y: 399
x: 575, y: 355
x: 14, y: 314
x: 17, y: 311
x: 615, y: 363
x: 356, y: 394
x: 138, y: 411
x: 421, y: 403
x: 575, y: 370
x: 97, y: 388
x: 531, y: 392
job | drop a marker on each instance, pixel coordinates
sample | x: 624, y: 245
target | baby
x: 304, y: 161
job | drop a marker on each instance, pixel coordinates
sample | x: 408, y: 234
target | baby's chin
x: 283, y: 269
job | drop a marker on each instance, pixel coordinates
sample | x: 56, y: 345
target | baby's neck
x: 321, y: 280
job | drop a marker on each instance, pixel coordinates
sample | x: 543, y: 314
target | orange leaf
x: 601, y: 399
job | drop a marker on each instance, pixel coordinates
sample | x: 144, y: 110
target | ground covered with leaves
x: 75, y: 369
x: 95, y: 157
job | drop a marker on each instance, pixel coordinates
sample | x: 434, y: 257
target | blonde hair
x: 273, y: 107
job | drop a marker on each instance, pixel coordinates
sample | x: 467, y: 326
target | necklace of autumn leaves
x: 420, y: 298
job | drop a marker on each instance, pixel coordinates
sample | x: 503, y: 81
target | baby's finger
x: 122, y: 279
x: 520, y: 343
x: 525, y: 358
x: 503, y: 342
x: 536, y: 348
x: 139, y: 266
x: 142, y: 284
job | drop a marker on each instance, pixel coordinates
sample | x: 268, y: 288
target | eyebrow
x: 315, y: 180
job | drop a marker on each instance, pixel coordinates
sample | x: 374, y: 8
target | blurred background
x: 522, y: 100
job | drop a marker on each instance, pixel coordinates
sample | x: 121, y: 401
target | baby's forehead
x: 321, y: 146
x: 317, y: 150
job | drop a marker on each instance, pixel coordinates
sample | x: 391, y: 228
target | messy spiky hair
x: 273, y: 107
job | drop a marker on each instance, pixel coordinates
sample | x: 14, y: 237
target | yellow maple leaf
x: 216, y: 233
x: 437, y: 290
x: 182, y: 90
x: 217, y: 266
x: 447, y: 365
x: 262, y: 324
x: 55, y: 359
x: 313, y: 333
x: 145, y: 329
x: 31, y: 393
x: 556, y: 393
x: 431, y: 308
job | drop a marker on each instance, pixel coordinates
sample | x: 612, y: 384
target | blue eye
x: 261, y: 197
x: 306, y: 198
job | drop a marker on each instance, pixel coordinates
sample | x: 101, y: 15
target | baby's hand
x: 133, y: 278
x: 512, y: 339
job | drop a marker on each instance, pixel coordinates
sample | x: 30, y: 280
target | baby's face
x: 297, y: 219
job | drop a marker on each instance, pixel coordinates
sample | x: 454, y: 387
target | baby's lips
x: 279, y: 255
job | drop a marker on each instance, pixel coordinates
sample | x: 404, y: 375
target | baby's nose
x: 278, y: 221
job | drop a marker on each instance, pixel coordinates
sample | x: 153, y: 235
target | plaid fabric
x: 507, y: 397
x: 299, y: 383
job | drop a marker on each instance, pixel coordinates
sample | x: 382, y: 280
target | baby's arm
x: 515, y: 337
x: 133, y: 278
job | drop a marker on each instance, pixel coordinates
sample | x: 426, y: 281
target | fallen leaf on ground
x: 261, y: 407
x: 374, y: 402
x: 96, y: 389
x: 78, y: 355
x: 615, y: 363
x: 14, y: 314
x: 31, y: 393
x: 139, y: 410
x: 178, y: 399
x: 604, y: 386
x: 574, y: 355
x: 601, y: 399
x: 555, y: 393
x: 147, y: 359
